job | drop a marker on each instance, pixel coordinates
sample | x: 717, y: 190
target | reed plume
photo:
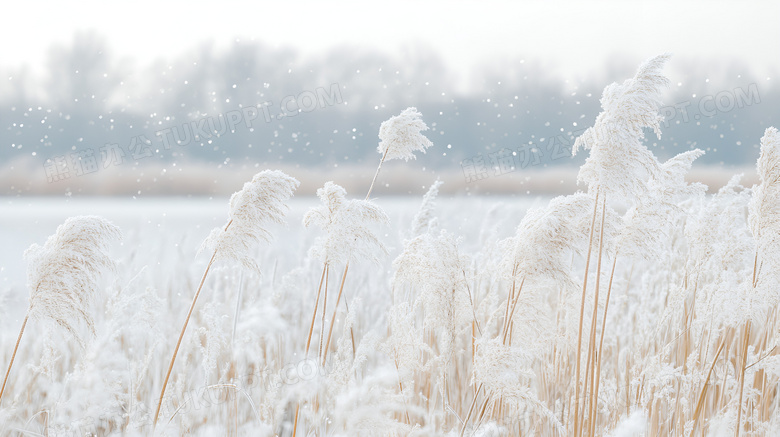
x: 400, y: 137
x: 260, y: 203
x: 63, y: 274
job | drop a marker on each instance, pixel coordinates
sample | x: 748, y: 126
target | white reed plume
x: 435, y: 266
x: 645, y: 225
x: 400, y: 137
x: 422, y: 220
x: 347, y: 225
x: 405, y: 344
x: 764, y: 217
x: 619, y: 163
x: 764, y: 222
x: 260, y: 202
x: 718, y: 219
x: 648, y: 221
x: 545, y: 238
x: 672, y: 181
x: 348, y: 236
x: 63, y: 275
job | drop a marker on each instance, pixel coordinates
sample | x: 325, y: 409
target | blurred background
x: 191, y: 98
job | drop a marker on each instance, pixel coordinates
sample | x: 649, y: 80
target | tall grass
x: 639, y: 306
x: 63, y: 277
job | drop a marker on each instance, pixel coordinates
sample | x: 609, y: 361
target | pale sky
x: 572, y: 37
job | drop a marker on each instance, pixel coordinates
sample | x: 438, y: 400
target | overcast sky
x: 572, y: 38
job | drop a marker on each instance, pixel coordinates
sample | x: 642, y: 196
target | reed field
x: 637, y: 305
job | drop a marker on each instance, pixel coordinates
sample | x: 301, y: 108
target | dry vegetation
x: 639, y: 307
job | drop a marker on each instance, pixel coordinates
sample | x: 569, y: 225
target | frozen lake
x: 146, y: 222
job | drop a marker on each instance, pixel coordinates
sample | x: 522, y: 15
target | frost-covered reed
x: 400, y: 137
x: 639, y: 306
x: 260, y: 203
x: 63, y: 275
x: 348, y: 223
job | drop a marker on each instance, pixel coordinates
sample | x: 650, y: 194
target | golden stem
x: 183, y: 330
x: 582, y: 314
x: 333, y: 319
x: 13, y: 356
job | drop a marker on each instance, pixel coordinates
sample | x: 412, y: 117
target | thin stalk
x: 510, y: 297
x: 351, y: 331
x: 591, y: 369
x: 333, y: 319
x: 703, y: 393
x: 507, y: 322
x: 295, y: 427
x: 236, y: 390
x: 308, y: 339
x: 377, y: 173
x: 762, y: 358
x: 401, y: 387
x: 471, y: 300
x: 183, y: 330
x: 316, y: 304
x: 324, y: 311
x: 13, y: 356
x: 504, y: 330
x: 582, y: 314
x: 238, y: 308
x: 471, y: 410
x: 273, y: 275
x: 755, y: 269
x: 311, y: 328
x: 482, y: 410
x: 745, y: 341
x: 603, y: 328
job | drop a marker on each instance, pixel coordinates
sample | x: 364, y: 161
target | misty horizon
x: 253, y: 105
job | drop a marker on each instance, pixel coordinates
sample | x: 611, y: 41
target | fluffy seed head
x: 434, y: 264
x: 545, y: 237
x: 649, y: 220
x: 765, y: 204
x: 63, y: 273
x: 400, y: 136
x: 764, y: 223
x: 422, y: 220
x: 619, y: 163
x: 347, y: 225
x: 260, y: 203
